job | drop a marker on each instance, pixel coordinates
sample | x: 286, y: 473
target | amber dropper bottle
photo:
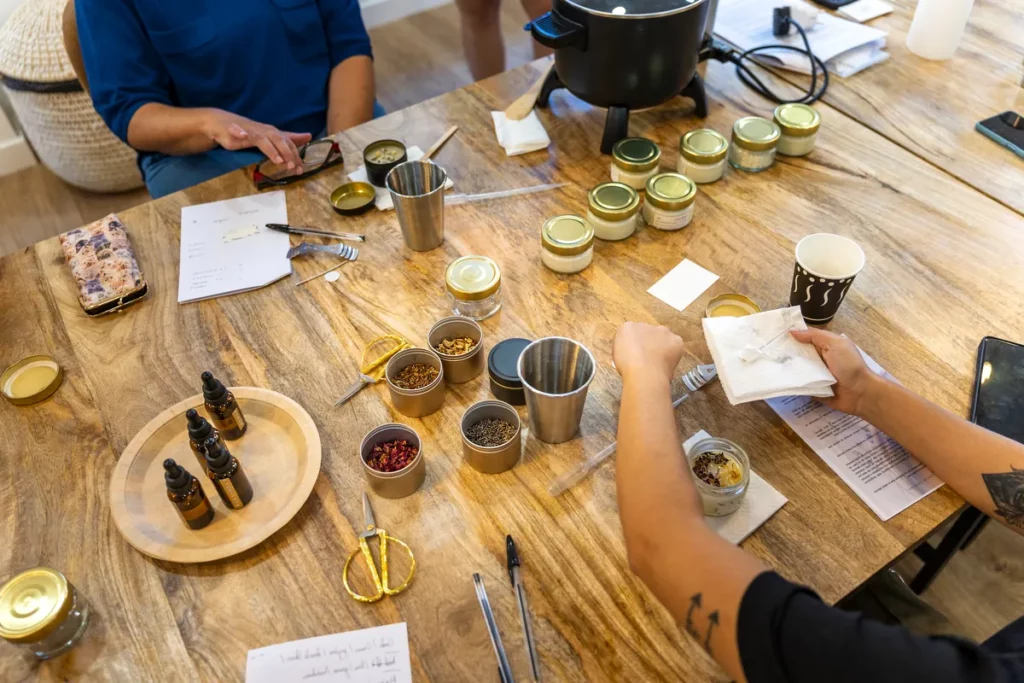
x: 187, y: 495
x: 227, y: 475
x: 199, y: 430
x: 223, y: 408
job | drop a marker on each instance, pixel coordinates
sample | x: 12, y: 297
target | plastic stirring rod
x: 583, y: 470
x: 453, y: 199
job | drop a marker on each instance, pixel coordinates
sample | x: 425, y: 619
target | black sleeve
x: 786, y: 634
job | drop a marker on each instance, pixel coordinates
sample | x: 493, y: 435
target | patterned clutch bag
x: 101, y: 259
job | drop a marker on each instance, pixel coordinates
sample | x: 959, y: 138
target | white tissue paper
x: 520, y: 137
x: 757, y: 358
x: 383, y: 200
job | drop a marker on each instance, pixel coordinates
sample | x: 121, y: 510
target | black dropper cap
x: 218, y: 459
x: 213, y: 390
x: 177, y: 477
x: 198, y: 428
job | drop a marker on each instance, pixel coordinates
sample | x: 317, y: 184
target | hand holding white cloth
x: 520, y: 137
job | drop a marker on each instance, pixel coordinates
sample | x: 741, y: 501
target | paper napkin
x: 383, y: 200
x: 520, y: 137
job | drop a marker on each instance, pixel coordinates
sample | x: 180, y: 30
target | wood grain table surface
x: 943, y: 269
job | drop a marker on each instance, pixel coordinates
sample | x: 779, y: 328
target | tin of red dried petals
x: 391, y: 456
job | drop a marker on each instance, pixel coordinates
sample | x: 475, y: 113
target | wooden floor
x: 416, y: 59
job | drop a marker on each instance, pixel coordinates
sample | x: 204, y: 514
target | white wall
x: 377, y: 12
x: 15, y: 153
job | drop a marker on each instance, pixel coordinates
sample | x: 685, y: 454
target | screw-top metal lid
x: 472, y: 278
x: 567, y: 235
x: 670, y: 191
x: 703, y: 146
x: 33, y: 604
x: 31, y: 380
x: 798, y: 120
x: 636, y: 154
x: 755, y: 134
x: 614, y: 201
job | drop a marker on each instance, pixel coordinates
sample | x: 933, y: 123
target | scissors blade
x: 370, y: 528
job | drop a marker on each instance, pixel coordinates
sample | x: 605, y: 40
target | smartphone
x: 1007, y: 129
x: 998, y: 403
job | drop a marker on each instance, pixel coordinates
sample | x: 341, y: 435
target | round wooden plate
x: 280, y: 453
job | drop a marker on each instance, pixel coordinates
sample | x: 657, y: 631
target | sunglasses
x: 316, y: 156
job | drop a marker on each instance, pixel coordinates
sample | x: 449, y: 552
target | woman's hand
x: 855, y: 379
x: 232, y: 131
x: 646, y: 350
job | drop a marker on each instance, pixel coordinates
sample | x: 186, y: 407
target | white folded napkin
x: 757, y: 358
x: 520, y: 137
x: 383, y: 200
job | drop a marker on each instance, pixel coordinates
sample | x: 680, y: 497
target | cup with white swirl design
x: 825, y: 267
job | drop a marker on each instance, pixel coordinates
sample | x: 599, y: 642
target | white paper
x: 520, y: 137
x: 373, y: 655
x: 226, y: 248
x: 865, y: 10
x: 883, y: 473
x: 683, y: 284
x: 383, y: 200
x: 761, y: 502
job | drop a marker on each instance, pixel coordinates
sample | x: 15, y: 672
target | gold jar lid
x: 703, y: 146
x: 797, y: 119
x: 33, y: 604
x: 755, y: 134
x: 31, y: 380
x: 730, y: 306
x: 472, y: 278
x: 671, y: 191
x: 636, y: 154
x: 567, y: 235
x: 614, y: 201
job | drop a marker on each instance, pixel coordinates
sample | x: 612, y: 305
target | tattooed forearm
x: 693, y: 618
x: 1007, y: 491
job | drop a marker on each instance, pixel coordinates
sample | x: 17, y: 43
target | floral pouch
x: 102, y: 261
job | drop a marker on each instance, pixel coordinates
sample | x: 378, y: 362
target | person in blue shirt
x: 202, y: 88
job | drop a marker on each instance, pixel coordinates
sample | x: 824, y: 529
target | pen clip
x: 512, y: 558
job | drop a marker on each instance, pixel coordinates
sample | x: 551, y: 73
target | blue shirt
x: 267, y: 60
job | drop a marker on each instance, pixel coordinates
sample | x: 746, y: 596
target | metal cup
x: 556, y: 373
x: 417, y: 190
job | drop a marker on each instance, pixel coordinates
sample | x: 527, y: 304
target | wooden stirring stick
x: 308, y: 279
x: 440, y: 141
x: 524, y: 104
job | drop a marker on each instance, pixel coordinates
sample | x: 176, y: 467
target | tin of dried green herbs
x: 456, y: 346
x: 416, y: 376
x: 491, y: 431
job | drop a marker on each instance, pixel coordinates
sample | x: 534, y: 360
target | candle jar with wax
x: 31, y: 380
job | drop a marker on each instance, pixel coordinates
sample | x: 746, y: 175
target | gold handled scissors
x: 380, y: 580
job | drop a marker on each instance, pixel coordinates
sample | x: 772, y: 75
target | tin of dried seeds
x: 455, y: 346
x: 491, y: 431
x: 416, y: 376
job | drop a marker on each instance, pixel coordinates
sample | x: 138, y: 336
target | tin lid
x: 636, y: 154
x: 472, y: 278
x: 670, y: 191
x: 503, y: 362
x: 33, y: 604
x: 798, y: 120
x: 31, y: 380
x: 703, y: 146
x: 567, y: 235
x: 755, y: 134
x: 614, y: 201
x: 730, y: 306
x: 352, y: 199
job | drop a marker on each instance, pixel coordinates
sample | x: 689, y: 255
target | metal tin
x: 459, y: 369
x: 415, y: 402
x: 755, y: 133
x: 503, y: 370
x: 377, y: 172
x: 472, y: 278
x: 614, y: 201
x: 352, y: 199
x: 31, y: 380
x: 797, y: 120
x: 671, y: 191
x: 730, y: 306
x: 567, y: 235
x: 703, y: 146
x: 491, y: 459
x: 636, y: 154
x: 405, y: 481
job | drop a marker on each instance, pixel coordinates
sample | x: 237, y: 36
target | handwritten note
x: 373, y: 655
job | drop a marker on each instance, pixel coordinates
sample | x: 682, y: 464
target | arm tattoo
x: 691, y: 627
x: 1007, y: 491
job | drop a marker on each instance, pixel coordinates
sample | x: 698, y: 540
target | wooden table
x: 944, y: 265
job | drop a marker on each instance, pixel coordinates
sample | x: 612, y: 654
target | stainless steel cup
x: 415, y: 402
x: 491, y: 459
x: 417, y: 190
x: 556, y: 373
x: 393, y: 484
x: 459, y: 369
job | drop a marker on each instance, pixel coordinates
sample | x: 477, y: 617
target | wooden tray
x: 280, y: 453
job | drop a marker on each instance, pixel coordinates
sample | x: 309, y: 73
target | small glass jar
x: 668, y: 203
x: 474, y: 287
x: 567, y: 244
x: 612, y: 210
x: 702, y: 155
x: 42, y: 611
x: 799, y: 124
x: 720, y: 500
x: 753, y: 144
x: 634, y: 161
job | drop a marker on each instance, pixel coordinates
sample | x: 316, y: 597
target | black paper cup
x: 825, y: 267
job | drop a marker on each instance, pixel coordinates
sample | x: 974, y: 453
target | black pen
x: 512, y: 557
x: 292, y: 230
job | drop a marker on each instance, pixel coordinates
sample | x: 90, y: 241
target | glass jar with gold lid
x: 612, y: 210
x: 799, y: 126
x: 753, y: 144
x: 567, y: 244
x: 473, y: 284
x: 634, y: 161
x: 42, y: 611
x: 668, y: 202
x: 702, y: 155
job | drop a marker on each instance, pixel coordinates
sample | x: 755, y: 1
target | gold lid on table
x: 670, y: 191
x: 636, y: 154
x: 567, y: 235
x: 730, y: 305
x: 703, y: 146
x: 472, y: 278
x: 33, y: 604
x: 755, y: 133
x: 31, y: 380
x: 797, y: 120
x: 614, y: 201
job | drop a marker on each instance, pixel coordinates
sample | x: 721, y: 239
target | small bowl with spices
x: 491, y: 436
x: 392, y: 457
x: 416, y: 382
x: 721, y: 473
x: 460, y: 344
x: 382, y: 156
